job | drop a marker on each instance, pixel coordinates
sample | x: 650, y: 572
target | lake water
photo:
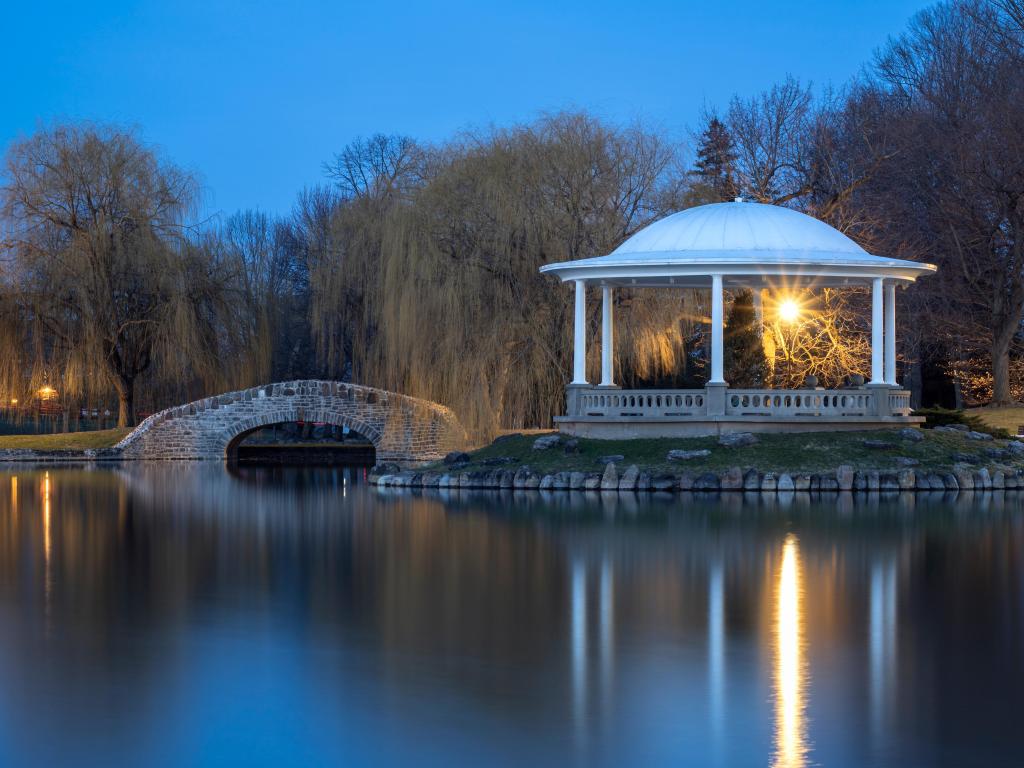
x: 191, y: 615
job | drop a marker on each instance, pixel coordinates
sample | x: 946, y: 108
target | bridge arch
x: 401, y: 428
x: 237, y: 432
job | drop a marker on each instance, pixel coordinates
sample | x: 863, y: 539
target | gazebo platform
x: 605, y: 413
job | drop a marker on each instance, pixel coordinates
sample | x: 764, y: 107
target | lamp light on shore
x: 46, y: 392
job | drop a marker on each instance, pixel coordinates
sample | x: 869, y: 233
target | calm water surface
x: 191, y: 615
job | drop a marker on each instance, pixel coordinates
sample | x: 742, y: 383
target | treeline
x: 415, y: 266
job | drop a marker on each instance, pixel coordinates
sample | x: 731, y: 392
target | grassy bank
x: 808, y: 452
x: 1010, y: 418
x: 63, y: 441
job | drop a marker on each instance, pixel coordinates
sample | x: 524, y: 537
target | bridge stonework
x: 401, y: 428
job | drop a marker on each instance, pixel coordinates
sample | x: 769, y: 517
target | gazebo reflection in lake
x: 723, y: 246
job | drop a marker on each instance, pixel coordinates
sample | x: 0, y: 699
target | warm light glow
x: 46, y: 518
x: 46, y: 392
x: 14, y: 401
x: 789, y: 311
x: 790, y: 739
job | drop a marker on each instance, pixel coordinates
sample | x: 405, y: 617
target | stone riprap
x: 634, y: 479
x: 401, y: 428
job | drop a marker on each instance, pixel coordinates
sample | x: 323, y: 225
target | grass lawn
x: 799, y: 452
x: 64, y: 441
x: 1010, y: 418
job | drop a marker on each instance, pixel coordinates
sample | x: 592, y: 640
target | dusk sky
x: 255, y: 95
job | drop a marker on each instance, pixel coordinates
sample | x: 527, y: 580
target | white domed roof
x: 747, y: 243
x: 741, y: 226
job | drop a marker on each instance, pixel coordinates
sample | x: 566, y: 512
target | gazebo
x: 735, y: 245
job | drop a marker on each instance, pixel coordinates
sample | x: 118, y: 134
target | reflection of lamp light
x: 790, y: 738
x: 46, y: 517
x: 789, y: 311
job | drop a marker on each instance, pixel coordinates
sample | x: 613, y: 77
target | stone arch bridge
x: 401, y: 428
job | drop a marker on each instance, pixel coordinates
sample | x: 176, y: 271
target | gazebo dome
x: 747, y: 243
x: 739, y: 227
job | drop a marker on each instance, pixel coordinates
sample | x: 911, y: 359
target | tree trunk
x: 1001, y: 339
x: 913, y: 377
x: 125, y: 401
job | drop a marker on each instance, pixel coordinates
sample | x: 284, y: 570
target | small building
x: 725, y: 246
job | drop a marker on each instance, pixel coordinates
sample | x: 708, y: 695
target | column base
x: 880, y: 391
x: 572, y: 397
x: 714, y: 397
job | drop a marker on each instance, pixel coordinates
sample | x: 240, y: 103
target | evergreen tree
x: 715, y: 169
x: 744, y: 360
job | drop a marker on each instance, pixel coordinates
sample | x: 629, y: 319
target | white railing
x: 594, y: 401
x: 800, y: 402
x: 693, y: 403
x: 899, y: 402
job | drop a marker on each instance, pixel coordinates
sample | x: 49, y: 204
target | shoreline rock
x: 636, y: 479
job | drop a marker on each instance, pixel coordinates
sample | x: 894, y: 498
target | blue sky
x: 255, y: 95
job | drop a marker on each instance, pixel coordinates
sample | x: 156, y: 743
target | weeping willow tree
x: 101, y: 280
x: 428, y: 281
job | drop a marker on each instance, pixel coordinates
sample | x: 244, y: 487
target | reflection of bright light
x: 790, y: 744
x: 14, y: 493
x: 789, y: 311
x: 46, y: 517
x: 47, y: 571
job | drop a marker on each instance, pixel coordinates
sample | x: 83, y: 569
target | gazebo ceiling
x: 749, y: 244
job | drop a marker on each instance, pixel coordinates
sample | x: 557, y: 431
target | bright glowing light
x: 46, y: 517
x: 14, y: 401
x: 789, y: 311
x: 790, y: 739
x: 46, y: 392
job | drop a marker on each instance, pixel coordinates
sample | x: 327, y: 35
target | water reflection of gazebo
x: 718, y: 247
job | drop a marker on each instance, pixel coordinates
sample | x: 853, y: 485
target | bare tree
x: 379, y: 167
x: 95, y: 224
x: 955, y: 76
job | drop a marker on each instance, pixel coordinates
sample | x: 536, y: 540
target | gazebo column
x: 878, y: 343
x: 716, y: 385
x: 579, y: 355
x: 890, y: 333
x: 607, y: 338
x: 877, y: 377
x: 579, y: 352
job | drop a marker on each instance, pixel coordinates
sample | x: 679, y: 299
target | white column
x: 876, y: 332
x: 579, y: 358
x: 717, y: 324
x: 607, y: 338
x: 890, y: 333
